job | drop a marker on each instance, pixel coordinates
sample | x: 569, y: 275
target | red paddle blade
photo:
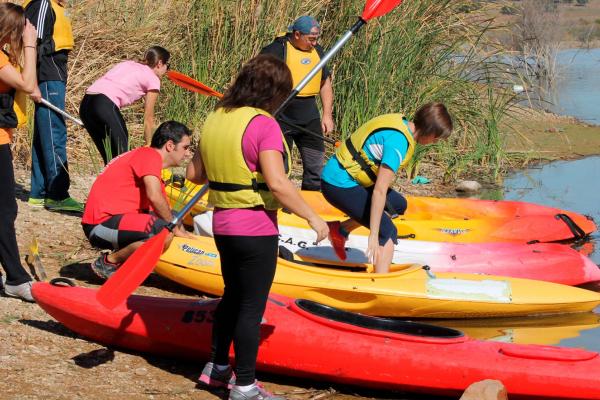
x: 132, y: 273
x: 189, y: 83
x: 377, y: 8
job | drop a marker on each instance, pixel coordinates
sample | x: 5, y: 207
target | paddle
x: 139, y: 265
x: 190, y: 83
x: 35, y: 262
x: 61, y: 112
x: 193, y: 85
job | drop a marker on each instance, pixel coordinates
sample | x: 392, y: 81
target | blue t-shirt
x: 386, y: 147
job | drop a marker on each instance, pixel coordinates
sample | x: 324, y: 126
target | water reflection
x: 546, y: 330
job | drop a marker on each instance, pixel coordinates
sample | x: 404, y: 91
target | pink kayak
x: 552, y: 262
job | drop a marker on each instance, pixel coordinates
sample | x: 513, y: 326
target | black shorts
x: 121, y: 230
x: 356, y: 203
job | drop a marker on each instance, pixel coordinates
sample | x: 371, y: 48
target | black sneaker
x: 103, y: 268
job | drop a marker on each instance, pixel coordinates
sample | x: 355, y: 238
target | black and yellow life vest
x: 62, y: 34
x: 231, y: 183
x: 354, y: 159
x: 300, y: 64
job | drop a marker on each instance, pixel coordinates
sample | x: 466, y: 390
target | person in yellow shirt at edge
x: 300, y: 51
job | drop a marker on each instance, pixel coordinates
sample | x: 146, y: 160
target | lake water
x: 577, y: 89
x: 570, y: 185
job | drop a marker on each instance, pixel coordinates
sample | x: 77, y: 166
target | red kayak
x: 308, y: 340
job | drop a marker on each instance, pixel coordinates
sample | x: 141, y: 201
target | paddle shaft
x: 321, y: 63
x: 61, y: 112
x: 139, y: 264
x: 307, y: 131
x: 187, y: 207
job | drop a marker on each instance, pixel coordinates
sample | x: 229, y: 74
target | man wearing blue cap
x: 300, y: 51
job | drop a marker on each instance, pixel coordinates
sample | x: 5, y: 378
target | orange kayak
x: 444, y: 219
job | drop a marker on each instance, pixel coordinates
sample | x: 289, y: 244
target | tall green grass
x: 421, y: 52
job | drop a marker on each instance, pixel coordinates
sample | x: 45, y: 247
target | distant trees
x: 537, y: 36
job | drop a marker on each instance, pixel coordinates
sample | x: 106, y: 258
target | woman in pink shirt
x: 243, y: 156
x: 122, y: 85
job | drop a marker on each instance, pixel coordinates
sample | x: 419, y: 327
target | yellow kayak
x: 542, y: 330
x: 408, y: 291
x: 439, y: 219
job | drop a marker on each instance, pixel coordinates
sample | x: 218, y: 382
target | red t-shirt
x: 119, y: 189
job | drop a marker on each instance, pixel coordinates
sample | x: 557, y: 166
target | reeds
x: 426, y: 50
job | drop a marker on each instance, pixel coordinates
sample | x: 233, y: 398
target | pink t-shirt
x: 126, y: 82
x: 263, y: 133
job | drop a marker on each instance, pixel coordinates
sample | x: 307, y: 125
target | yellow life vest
x: 300, y: 63
x: 20, y: 108
x: 354, y: 159
x: 62, y: 34
x: 231, y: 183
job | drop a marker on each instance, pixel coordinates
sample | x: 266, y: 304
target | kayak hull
x: 408, y: 291
x: 294, y: 339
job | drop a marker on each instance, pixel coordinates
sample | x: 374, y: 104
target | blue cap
x: 304, y: 24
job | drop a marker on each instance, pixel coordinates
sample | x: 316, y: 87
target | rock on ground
x: 485, y: 390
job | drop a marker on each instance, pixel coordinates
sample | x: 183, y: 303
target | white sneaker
x: 258, y: 392
x: 22, y: 291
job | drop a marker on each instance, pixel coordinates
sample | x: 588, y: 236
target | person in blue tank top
x: 357, y: 179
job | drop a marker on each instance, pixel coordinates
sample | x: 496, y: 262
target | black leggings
x: 356, y: 203
x: 248, y: 267
x: 9, y: 251
x: 105, y: 124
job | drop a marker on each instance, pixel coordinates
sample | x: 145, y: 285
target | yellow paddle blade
x: 34, y: 248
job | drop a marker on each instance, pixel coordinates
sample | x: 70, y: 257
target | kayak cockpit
x: 369, y: 323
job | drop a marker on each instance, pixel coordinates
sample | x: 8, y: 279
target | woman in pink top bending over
x: 122, y: 85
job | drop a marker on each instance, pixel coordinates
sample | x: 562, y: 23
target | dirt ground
x: 41, y: 359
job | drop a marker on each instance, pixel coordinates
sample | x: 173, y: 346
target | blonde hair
x: 12, y: 24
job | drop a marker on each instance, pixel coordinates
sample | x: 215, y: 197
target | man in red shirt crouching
x: 127, y: 203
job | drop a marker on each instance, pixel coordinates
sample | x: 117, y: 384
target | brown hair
x: 264, y: 82
x: 155, y: 54
x: 12, y: 24
x: 433, y: 119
